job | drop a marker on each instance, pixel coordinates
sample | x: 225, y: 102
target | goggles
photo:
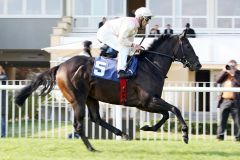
x: 147, y: 18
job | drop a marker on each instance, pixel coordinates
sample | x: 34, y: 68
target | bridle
x: 182, y: 59
x: 178, y: 45
x: 174, y: 57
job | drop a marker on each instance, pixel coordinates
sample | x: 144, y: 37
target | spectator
x: 100, y: 24
x: 189, y: 31
x: 154, y: 31
x: 229, y: 101
x: 3, y: 78
x: 2, y: 71
x: 132, y: 13
x: 168, y: 30
x: 87, y: 45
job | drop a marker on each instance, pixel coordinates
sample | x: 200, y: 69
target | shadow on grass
x: 219, y: 153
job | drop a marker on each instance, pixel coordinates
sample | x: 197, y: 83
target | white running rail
x: 51, y: 116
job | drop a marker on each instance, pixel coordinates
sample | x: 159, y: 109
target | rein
x: 162, y: 54
x: 155, y: 65
x: 173, y: 58
x: 175, y: 50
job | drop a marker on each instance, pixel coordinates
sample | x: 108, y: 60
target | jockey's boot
x: 122, y: 74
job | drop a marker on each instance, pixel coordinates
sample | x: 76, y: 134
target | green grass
x: 64, y: 149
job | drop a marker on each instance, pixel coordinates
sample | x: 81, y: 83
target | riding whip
x: 136, y: 51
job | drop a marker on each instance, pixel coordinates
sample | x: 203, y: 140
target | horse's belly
x: 109, y: 92
x: 105, y: 91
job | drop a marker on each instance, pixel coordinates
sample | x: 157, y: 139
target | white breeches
x: 122, y: 58
x: 106, y: 37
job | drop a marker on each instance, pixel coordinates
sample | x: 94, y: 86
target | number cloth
x: 106, y: 67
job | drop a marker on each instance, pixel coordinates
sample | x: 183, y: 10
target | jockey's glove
x: 136, y: 47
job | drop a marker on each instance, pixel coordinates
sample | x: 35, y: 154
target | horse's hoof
x: 91, y: 149
x: 125, y: 137
x: 75, y: 135
x: 185, y: 139
x: 145, y: 128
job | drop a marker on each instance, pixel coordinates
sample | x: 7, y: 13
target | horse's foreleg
x: 93, y: 106
x: 159, y: 124
x: 163, y: 105
x: 79, y: 114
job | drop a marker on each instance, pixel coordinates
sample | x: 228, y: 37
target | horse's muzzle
x: 196, y: 66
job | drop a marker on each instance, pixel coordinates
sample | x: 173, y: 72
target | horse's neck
x: 165, y: 63
x: 162, y: 56
x: 161, y: 64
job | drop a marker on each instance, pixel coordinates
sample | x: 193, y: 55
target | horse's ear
x: 183, y: 35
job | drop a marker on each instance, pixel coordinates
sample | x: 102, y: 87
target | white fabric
x: 143, y: 12
x: 122, y: 58
x: 119, y: 34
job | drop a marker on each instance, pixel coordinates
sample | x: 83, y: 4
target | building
x: 29, y: 25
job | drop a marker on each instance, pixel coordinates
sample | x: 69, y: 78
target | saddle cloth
x: 106, y: 68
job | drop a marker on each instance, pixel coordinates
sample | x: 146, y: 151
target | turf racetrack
x: 64, y: 149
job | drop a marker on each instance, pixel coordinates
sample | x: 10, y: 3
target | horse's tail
x: 46, y: 79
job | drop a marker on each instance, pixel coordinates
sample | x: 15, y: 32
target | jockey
x: 119, y: 34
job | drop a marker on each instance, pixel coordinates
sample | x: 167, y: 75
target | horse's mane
x: 155, y: 44
x: 158, y: 42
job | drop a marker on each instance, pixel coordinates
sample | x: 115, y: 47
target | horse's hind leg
x: 79, y: 114
x: 159, y: 124
x: 93, y: 106
x: 77, y: 101
x: 163, y: 105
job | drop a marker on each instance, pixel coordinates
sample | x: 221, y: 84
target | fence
x: 51, y: 116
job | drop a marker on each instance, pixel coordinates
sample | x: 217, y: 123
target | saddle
x: 106, y: 68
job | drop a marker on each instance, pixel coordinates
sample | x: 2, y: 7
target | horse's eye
x: 188, y: 46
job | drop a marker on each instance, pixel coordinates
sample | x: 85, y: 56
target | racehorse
x: 74, y: 79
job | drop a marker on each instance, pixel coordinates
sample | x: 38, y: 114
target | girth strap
x: 123, y: 91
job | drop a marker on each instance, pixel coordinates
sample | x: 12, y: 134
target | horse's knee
x: 165, y: 115
x: 176, y: 110
x: 94, y: 118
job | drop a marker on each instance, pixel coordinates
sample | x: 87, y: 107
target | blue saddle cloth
x: 106, y: 68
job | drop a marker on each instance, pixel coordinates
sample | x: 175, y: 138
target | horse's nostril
x: 199, y: 66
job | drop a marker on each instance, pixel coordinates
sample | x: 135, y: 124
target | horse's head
x: 184, y: 53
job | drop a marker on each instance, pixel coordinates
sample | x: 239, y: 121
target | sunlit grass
x: 49, y: 129
x: 61, y: 149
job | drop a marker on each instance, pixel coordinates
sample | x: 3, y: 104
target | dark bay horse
x: 74, y: 79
